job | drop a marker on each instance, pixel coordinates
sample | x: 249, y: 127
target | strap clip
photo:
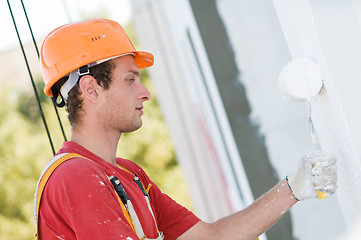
x: 84, y: 70
x: 119, y: 189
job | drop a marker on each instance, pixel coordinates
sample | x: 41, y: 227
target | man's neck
x: 102, y: 144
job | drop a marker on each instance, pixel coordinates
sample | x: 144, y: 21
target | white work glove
x: 317, y: 172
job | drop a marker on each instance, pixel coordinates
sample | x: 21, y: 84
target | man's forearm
x: 250, y: 222
x: 258, y: 217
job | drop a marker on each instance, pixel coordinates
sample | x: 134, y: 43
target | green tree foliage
x: 21, y: 152
x: 25, y: 150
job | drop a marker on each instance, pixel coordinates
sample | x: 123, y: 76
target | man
x: 88, y: 193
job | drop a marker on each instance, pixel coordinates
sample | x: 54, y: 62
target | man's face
x: 121, y: 105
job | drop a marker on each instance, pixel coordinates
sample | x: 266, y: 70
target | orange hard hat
x: 72, y: 46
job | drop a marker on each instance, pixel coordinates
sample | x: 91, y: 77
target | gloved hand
x: 317, y: 172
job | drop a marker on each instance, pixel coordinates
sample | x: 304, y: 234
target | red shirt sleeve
x: 173, y: 219
x: 78, y: 194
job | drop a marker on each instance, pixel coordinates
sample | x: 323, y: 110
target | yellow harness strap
x: 43, y: 180
x: 48, y: 170
x: 126, y: 213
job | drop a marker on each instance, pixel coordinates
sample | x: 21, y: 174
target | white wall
x: 339, y: 29
x: 261, y: 52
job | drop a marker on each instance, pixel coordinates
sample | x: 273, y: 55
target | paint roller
x: 299, y: 81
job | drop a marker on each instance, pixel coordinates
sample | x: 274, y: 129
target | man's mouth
x: 139, y: 109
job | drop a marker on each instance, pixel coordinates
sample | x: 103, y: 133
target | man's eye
x: 131, y: 80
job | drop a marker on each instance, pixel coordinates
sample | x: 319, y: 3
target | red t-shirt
x: 79, y: 202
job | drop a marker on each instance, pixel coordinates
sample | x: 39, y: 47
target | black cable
x: 31, y: 31
x: 37, y: 51
x: 31, y: 78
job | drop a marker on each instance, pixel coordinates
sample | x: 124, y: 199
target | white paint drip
x: 102, y: 183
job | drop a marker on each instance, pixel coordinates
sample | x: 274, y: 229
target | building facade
x: 216, y: 70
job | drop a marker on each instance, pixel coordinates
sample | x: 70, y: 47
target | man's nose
x: 144, y: 93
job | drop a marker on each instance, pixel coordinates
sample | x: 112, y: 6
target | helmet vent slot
x: 94, y: 39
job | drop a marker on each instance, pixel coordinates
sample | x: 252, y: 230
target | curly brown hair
x: 102, y: 73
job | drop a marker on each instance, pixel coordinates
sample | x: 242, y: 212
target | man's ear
x: 89, y: 87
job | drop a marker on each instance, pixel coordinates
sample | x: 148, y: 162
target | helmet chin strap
x: 69, y: 84
x: 74, y: 77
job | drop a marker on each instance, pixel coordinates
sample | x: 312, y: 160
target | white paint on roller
x: 300, y: 79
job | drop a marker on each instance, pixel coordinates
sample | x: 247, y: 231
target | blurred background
x: 217, y: 134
